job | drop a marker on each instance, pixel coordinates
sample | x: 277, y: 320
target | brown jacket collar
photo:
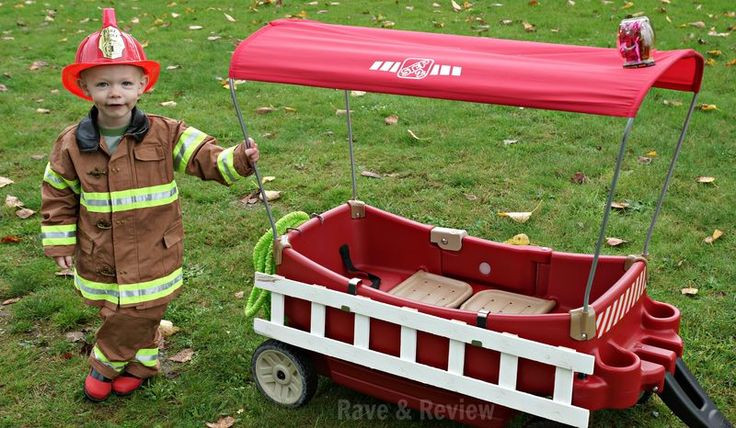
x: 88, y: 134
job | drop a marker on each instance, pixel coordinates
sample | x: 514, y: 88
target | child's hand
x: 64, y: 262
x: 252, y: 152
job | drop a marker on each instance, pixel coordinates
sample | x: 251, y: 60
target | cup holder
x: 616, y: 360
x: 660, y: 316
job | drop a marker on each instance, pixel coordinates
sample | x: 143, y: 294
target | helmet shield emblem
x: 111, y: 43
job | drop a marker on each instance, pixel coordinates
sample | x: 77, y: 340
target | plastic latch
x: 582, y: 324
x: 633, y: 258
x: 481, y: 319
x: 353, y: 286
x: 448, y: 239
x: 278, y: 248
x: 357, y: 208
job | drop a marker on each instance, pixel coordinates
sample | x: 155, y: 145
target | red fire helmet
x: 106, y: 47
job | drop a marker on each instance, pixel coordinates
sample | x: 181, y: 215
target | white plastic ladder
x: 511, y: 347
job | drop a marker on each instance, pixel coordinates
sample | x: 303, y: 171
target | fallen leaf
x: 731, y: 63
x: 619, y: 205
x: 268, y: 179
x: 43, y: 110
x: 10, y: 239
x: 225, y: 422
x: 615, y: 242
x: 135, y: 20
x: 66, y: 273
x: 716, y: 234
x: 707, y: 107
x: 37, y: 65
x: 710, y: 62
x: 672, y: 103
x: 3, y: 88
x: 11, y: 301
x: 521, y: 216
x: 213, y: 38
x: 173, y: 67
x: 391, y: 120
x: 251, y: 198
x: 651, y: 154
x: 414, y: 136
x: 579, y: 178
x: 644, y: 160
x: 38, y: 157
x: 75, y: 336
x: 341, y: 112
x: 195, y: 27
x: 717, y: 34
x: 265, y: 110
x: 13, y: 202
x: 533, y: 2
x: 529, y: 28
x: 520, y: 239
x: 239, y: 294
x: 689, y: 291
x: 703, y: 179
x: 289, y: 109
x: 183, y: 356
x: 271, y: 195
x: 357, y: 93
x: 370, y: 174
x: 470, y: 197
x: 628, y: 5
x: 24, y: 213
x: 509, y: 142
x: 715, y: 52
x: 506, y: 22
x: 175, y: 15
x: 167, y: 328
x: 456, y: 7
x: 697, y: 24
x: 388, y: 24
x: 4, y: 181
x: 168, y: 104
x: 229, y: 18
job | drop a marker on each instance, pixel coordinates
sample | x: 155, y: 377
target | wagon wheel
x: 284, y: 373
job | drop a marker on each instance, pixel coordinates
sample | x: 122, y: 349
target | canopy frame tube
x: 244, y: 129
x: 350, y: 143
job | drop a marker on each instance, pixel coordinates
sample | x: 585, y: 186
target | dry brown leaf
x: 167, y: 328
x: 183, y: 356
x: 520, y: 239
x: 414, y: 136
x: 173, y: 67
x: 707, y: 107
x: 268, y: 179
x: 357, y: 93
x: 533, y: 2
x: 37, y: 65
x: 579, y: 178
x: 703, y: 179
x: 507, y: 21
x: 239, y: 294
x: 672, y: 103
x: 4, y: 181
x: 195, y: 27
x: 24, y: 213
x: 619, y: 205
x: 715, y: 52
x: 271, y: 195
x: 75, y: 336
x: 168, y: 104
x: 370, y: 174
x: 229, y: 18
x: 470, y: 197
x: 341, y: 112
x: 3, y: 88
x: 225, y: 422
x: 520, y: 216
x: 43, y: 110
x: 265, y: 110
x: 66, y: 273
x: 697, y: 24
x: 175, y: 15
x: 509, y: 142
x: 10, y: 239
x: 213, y: 38
x: 627, y: 5
x: 391, y: 120
x: 710, y: 62
x: 644, y: 160
x: 13, y: 202
x: 716, y: 234
x: 11, y: 301
x: 388, y: 24
x: 651, y: 154
x: 38, y: 157
x: 456, y: 7
x: 615, y: 242
x: 251, y: 198
x: 731, y: 63
x: 689, y: 291
x: 529, y: 28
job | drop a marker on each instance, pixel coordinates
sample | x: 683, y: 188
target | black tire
x: 284, y: 374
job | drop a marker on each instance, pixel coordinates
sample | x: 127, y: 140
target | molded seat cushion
x: 504, y: 302
x: 433, y: 289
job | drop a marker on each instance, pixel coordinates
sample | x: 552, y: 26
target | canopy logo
x: 416, y: 68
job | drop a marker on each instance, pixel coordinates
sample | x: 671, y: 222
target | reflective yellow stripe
x: 64, y: 234
x: 126, y: 294
x: 189, y: 140
x: 226, y: 166
x: 115, y: 365
x: 57, y: 181
x: 148, y: 357
x: 124, y: 200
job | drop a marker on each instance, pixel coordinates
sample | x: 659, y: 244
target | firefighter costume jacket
x: 119, y: 215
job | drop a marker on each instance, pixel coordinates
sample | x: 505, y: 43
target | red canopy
x: 479, y: 69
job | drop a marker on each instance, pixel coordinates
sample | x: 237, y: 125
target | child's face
x: 115, y: 90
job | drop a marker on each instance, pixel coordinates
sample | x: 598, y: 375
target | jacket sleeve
x: 59, y: 204
x: 198, y: 154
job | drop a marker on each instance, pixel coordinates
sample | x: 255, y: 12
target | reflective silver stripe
x: 195, y: 136
x: 78, y: 282
x: 45, y: 235
x: 146, y: 357
x: 131, y: 199
x: 150, y: 290
x: 224, y: 162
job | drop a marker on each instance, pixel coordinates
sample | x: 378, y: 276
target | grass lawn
x: 460, y: 176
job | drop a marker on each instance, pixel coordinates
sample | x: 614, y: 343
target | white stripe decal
x: 386, y: 66
x: 375, y: 65
x: 610, y: 319
x: 627, y: 300
x: 395, y: 68
x: 445, y: 70
x: 435, y: 70
x: 456, y: 71
x: 605, y: 318
x: 621, y: 310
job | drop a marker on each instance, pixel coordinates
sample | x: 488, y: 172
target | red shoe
x: 96, y: 386
x: 125, y: 384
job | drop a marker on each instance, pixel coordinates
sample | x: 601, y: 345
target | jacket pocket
x: 150, y: 168
x: 173, y: 248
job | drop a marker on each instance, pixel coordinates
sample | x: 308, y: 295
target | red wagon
x: 442, y: 321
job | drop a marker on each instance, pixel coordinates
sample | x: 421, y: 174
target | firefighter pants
x: 128, y: 341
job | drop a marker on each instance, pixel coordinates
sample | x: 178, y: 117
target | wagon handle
x: 253, y: 164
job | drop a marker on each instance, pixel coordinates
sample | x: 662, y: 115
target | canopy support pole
x: 253, y: 164
x: 350, y: 143
x: 670, y: 171
x: 606, y: 212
